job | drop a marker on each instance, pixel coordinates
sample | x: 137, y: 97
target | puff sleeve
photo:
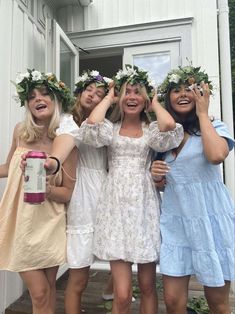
x: 164, y: 141
x: 97, y: 135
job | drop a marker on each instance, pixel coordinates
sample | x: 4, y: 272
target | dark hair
x: 190, y: 124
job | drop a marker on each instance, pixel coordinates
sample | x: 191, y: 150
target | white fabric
x: 127, y: 223
x: 81, y: 213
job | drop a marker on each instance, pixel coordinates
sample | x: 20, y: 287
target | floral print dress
x: 127, y: 221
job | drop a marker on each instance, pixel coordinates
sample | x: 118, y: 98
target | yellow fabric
x: 31, y: 236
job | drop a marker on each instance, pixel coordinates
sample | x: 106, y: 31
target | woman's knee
x: 40, y: 296
x: 123, y: 298
x: 78, y: 283
x: 147, y: 288
x: 174, y: 302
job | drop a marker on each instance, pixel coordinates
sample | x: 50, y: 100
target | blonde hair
x: 77, y: 111
x: 117, y: 114
x: 29, y: 131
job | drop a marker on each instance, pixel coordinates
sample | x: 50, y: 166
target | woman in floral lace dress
x: 127, y: 224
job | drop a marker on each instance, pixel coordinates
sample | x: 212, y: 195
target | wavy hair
x: 30, y: 131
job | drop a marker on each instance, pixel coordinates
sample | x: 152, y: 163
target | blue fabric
x: 198, y: 216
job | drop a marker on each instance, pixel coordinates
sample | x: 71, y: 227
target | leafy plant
x: 199, y: 305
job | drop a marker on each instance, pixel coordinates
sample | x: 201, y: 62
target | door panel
x: 62, y: 58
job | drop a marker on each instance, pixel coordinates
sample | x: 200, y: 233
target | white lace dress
x: 91, y: 172
x: 127, y: 222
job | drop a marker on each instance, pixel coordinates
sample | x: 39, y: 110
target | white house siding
x: 22, y: 43
x: 112, y: 13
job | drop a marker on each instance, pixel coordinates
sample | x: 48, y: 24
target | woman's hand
x: 159, y: 170
x: 23, y: 162
x: 111, y: 96
x: 202, y: 99
x: 50, y: 164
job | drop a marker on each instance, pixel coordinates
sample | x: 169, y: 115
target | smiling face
x: 41, y: 104
x: 182, y: 100
x: 91, y: 96
x: 133, y: 101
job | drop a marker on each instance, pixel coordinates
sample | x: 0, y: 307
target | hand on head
x: 111, y: 93
x: 202, y: 97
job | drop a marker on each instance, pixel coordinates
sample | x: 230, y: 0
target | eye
x: 100, y: 95
x: 30, y: 97
x: 45, y: 93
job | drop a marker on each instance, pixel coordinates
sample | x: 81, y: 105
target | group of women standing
x: 114, y: 209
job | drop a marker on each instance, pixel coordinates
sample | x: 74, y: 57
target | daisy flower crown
x: 134, y: 75
x: 88, y: 77
x: 188, y: 75
x: 26, y: 82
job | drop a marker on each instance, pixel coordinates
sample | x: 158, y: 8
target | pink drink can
x: 35, y: 178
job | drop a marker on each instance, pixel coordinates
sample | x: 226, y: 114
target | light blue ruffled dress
x: 198, y: 216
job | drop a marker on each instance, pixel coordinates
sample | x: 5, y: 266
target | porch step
x: 92, y: 301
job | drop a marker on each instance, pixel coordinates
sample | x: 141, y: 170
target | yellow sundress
x: 31, y: 236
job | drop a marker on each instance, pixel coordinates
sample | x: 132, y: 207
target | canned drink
x: 35, y: 178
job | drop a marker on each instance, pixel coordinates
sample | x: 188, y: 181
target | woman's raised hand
x: 202, y: 99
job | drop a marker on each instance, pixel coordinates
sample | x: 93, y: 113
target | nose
x: 131, y: 95
x: 91, y: 94
x: 183, y: 92
x: 38, y: 96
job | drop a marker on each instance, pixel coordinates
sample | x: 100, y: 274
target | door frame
x: 110, y: 41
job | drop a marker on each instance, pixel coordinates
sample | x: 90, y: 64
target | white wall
x: 22, y: 43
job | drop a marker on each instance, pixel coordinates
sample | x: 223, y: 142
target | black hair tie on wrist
x: 58, y: 164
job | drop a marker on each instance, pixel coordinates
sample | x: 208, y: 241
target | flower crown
x: 188, y: 75
x: 89, y: 77
x: 26, y: 82
x: 134, y: 75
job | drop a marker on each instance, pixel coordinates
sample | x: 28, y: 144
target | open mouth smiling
x: 131, y: 104
x: 40, y: 107
x: 184, y: 102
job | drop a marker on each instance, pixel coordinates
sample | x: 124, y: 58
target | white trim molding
x: 139, y: 34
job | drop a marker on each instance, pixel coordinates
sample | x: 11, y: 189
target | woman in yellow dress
x: 33, y: 236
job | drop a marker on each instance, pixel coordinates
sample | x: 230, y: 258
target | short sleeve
x: 97, y: 135
x: 164, y: 141
x: 222, y: 130
x: 67, y: 125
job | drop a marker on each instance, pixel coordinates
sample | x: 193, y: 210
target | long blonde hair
x: 77, y: 111
x: 30, y: 131
x: 117, y: 114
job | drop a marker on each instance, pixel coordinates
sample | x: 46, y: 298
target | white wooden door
x: 62, y: 58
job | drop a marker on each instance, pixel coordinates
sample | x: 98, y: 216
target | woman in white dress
x: 127, y: 223
x: 91, y: 87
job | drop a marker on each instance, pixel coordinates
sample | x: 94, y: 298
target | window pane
x: 66, y: 58
x: 158, y: 64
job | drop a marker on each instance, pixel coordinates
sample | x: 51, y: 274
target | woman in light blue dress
x: 198, y: 216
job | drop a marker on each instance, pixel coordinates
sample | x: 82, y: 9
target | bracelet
x: 58, y: 164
